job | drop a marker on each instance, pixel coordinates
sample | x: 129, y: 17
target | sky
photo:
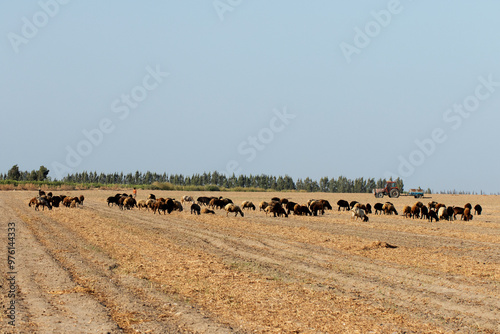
x: 369, y: 89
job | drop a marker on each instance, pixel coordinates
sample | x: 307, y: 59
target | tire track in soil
x: 48, y: 301
x: 135, y: 305
x: 452, y: 304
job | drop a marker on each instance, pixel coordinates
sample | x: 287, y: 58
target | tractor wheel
x: 379, y: 195
x: 394, y: 193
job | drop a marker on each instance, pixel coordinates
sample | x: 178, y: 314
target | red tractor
x: 390, y: 190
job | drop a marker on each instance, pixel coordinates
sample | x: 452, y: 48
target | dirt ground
x: 98, y: 269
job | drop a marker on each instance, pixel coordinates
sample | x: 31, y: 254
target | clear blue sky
x: 324, y: 88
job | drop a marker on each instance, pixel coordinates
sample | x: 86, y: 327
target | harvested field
x: 98, y: 269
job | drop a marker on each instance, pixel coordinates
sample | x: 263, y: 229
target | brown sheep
x: 142, y: 204
x: 289, y: 207
x: 263, y: 205
x: 208, y: 211
x: 315, y: 207
x: 216, y: 202
x: 478, y: 209
x: 186, y: 198
x: 233, y: 208
x: 432, y: 214
x: 458, y: 211
x: 276, y: 209
x: 468, y: 205
x: 301, y: 210
x: 178, y: 206
x: 407, y: 211
x: 81, y: 198
x: 467, y: 216
x: 247, y: 205
x: 424, y: 212
x: 415, y: 211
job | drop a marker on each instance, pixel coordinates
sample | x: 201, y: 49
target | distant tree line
x: 266, y: 182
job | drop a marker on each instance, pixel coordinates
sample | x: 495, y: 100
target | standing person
x: 134, y: 192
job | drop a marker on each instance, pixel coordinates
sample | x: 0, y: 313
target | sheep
x: 315, y: 207
x: 129, y: 203
x: 149, y: 203
x: 407, y: 211
x: 263, y: 205
x: 389, y: 209
x: 230, y: 207
x: 467, y: 216
x: 450, y: 211
x: 186, y: 198
x: 424, y: 212
x: 33, y: 202
x: 151, y: 196
x: 301, y: 210
x: 432, y: 205
x: 178, y: 206
x: 203, y: 200
x: 378, y: 208
x: 443, y: 213
x: 326, y: 204
x: 276, y: 209
x: 289, y: 207
x: 275, y: 199
x: 195, y: 208
x: 111, y: 200
x: 208, y: 211
x: 43, y: 202
x: 368, y: 208
x: 142, y: 204
x: 216, y: 202
x: 478, y: 209
x: 73, y: 204
x: 432, y: 214
x: 343, y: 204
x: 247, y: 205
x: 358, y: 212
x: 458, y: 211
x: 166, y: 206
x: 81, y: 198
x: 352, y: 204
x: 468, y: 205
x: 415, y: 211
x: 310, y: 201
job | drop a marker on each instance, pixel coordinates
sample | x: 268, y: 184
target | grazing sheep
x: 432, y: 214
x: 178, y: 206
x: 358, y: 212
x: 151, y: 196
x: 186, y: 198
x: 73, y: 204
x: 368, y: 208
x: 478, y: 209
x: 407, y: 211
x: 233, y: 208
x: 167, y: 206
x: 315, y: 207
x: 432, y: 205
x: 467, y: 216
x: 289, y: 207
x: 458, y: 211
x: 263, y: 205
x: 343, y: 204
x: 415, y: 211
x: 468, y: 205
x: 203, y: 200
x: 142, y: 204
x: 424, y: 212
x: 352, y: 204
x: 216, y: 202
x: 33, y: 202
x: 247, y: 205
x: 149, y: 203
x: 276, y: 209
x: 111, y: 200
x: 389, y: 209
x: 195, y: 208
x: 43, y: 202
x: 208, y: 211
x: 443, y: 213
x: 129, y: 203
x: 81, y: 198
x: 379, y: 208
x: 301, y: 210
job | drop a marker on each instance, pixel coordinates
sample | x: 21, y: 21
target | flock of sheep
x: 49, y: 200
x: 278, y: 207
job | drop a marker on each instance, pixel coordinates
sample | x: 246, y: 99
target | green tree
x: 14, y: 173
